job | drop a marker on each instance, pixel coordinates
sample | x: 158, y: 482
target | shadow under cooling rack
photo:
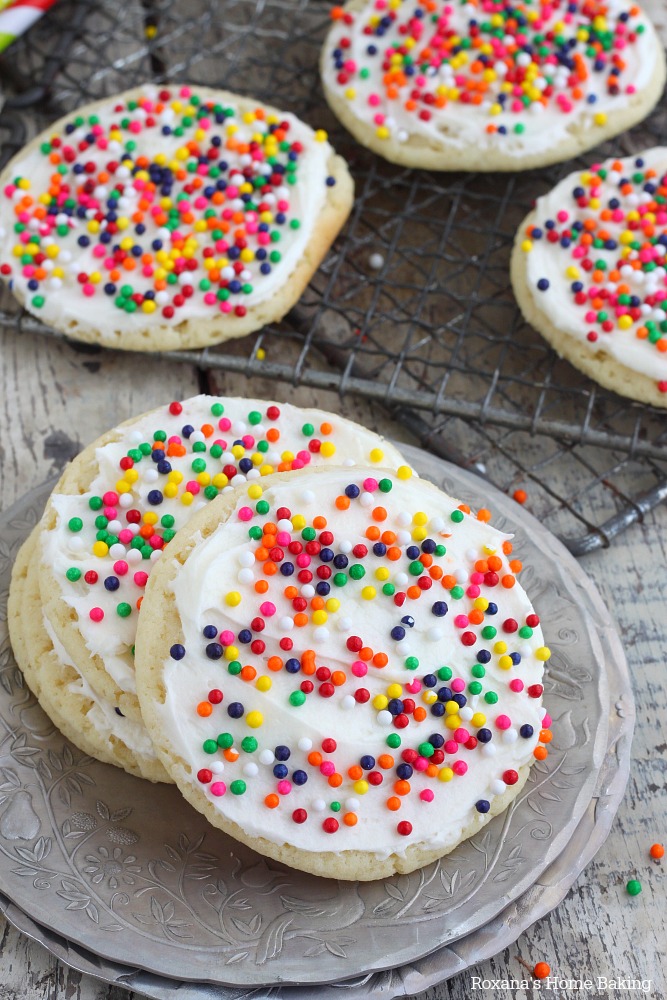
x: 412, y: 307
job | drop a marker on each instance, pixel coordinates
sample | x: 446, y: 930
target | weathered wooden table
x: 55, y: 397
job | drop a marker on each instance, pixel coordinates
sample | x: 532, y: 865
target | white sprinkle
x: 319, y: 805
x: 497, y: 787
x: 305, y: 744
x: 488, y: 750
x: 384, y: 717
x: 510, y: 736
x: 246, y: 558
x: 434, y: 634
x: 217, y: 767
x: 348, y: 702
x: 376, y: 261
x: 245, y: 576
x: 266, y: 757
x: 251, y: 770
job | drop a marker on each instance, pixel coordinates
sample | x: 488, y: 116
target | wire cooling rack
x: 413, y: 306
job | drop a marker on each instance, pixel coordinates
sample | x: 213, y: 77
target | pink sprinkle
x: 110, y: 513
x: 125, y: 536
x: 461, y: 621
x: 245, y: 514
x: 283, y: 538
x: 562, y: 216
x: 141, y: 578
x: 210, y: 299
x: 120, y: 568
x: 225, y: 307
x: 473, y: 590
x: 476, y: 578
x: 414, y: 688
x: 303, y: 456
x: 516, y: 685
x: 359, y: 668
x: 426, y: 795
x: 370, y: 484
x: 503, y: 722
x: 459, y: 767
x: 327, y: 768
x: 248, y: 440
x: 96, y: 614
x: 284, y: 787
x: 546, y: 721
x: 193, y: 487
x: 461, y: 735
x: 267, y: 608
x: 458, y: 685
x: 218, y: 788
x: 226, y: 637
x: 451, y: 746
x: 110, y: 499
x: 303, y: 560
x: 224, y: 424
x: 374, y: 100
x: 420, y: 763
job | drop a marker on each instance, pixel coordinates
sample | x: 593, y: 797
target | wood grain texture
x: 55, y: 398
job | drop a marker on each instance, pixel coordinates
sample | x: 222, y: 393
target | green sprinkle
x: 249, y: 744
x: 262, y: 507
x: 394, y: 741
x: 456, y: 516
x: 357, y: 572
x: 73, y: 574
x: 385, y: 485
x: 217, y: 409
x: 237, y: 787
x: 124, y: 610
x: 297, y: 698
x: 209, y: 746
x: 234, y: 668
x: 225, y: 741
x: 412, y: 663
x: 491, y: 697
x: 335, y: 807
x: 445, y: 674
x: 489, y: 632
x: 75, y: 524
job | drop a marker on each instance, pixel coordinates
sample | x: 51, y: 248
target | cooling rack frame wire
x: 429, y: 329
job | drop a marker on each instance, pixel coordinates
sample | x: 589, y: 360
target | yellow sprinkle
x: 333, y: 605
x: 260, y: 353
x: 429, y: 697
x: 420, y: 518
x: 404, y: 472
x: 233, y: 598
x: 266, y: 470
x: 321, y: 135
x: 500, y: 647
x: 368, y: 593
x: 298, y: 522
x: 150, y: 517
x: 376, y: 455
x: 175, y: 476
x: 382, y: 573
x: 328, y: 449
x: 480, y: 604
x: 150, y: 31
x: 287, y: 456
x: 131, y: 476
x: 419, y: 534
x: 254, y: 719
x: 382, y: 132
x: 100, y: 549
x: 170, y: 490
x: 451, y: 708
x: 148, y: 306
x: 319, y: 617
x: 527, y: 246
x: 264, y: 684
x: 478, y: 720
x: 625, y: 322
x: 360, y: 787
x: 505, y: 662
x: 445, y: 774
x: 394, y: 691
x: 187, y: 498
x: 204, y: 479
x: 543, y: 653
x: 123, y: 487
x: 380, y: 702
x: 255, y: 491
x: 220, y: 480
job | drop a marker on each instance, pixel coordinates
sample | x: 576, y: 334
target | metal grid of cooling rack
x: 413, y: 306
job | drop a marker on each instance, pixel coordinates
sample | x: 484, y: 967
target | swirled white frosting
x: 216, y: 587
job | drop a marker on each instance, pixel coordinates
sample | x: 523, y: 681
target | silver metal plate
x: 128, y: 872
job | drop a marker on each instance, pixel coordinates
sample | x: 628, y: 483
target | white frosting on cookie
x: 101, y: 714
x: 70, y: 271
x: 274, y: 436
x: 247, y: 691
x: 562, y: 266
x: 427, y: 100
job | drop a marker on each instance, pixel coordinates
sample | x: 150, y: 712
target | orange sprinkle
x: 372, y: 533
x: 508, y: 581
x: 261, y: 586
x: 403, y: 787
x: 319, y: 522
x: 230, y: 755
x: 393, y: 803
x: 315, y: 758
x: 379, y: 514
x: 248, y: 673
x: 335, y: 780
x: 354, y: 772
x: 342, y: 502
x: 540, y: 753
x: 204, y: 708
x: 350, y: 819
x: 272, y: 800
x: 300, y: 619
x: 385, y: 761
x: 274, y: 663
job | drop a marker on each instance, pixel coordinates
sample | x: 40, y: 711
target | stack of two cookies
x: 333, y: 659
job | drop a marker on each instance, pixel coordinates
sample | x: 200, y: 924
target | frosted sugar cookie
x: 169, y: 217
x: 589, y: 272
x: 341, y: 670
x: 91, y: 723
x: 121, y: 501
x: 489, y: 85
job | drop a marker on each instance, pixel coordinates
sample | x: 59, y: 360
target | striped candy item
x: 16, y: 16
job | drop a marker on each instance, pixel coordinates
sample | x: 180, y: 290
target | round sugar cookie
x: 124, y: 497
x: 169, y: 217
x: 343, y: 673
x: 490, y: 85
x: 88, y: 721
x: 589, y: 272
